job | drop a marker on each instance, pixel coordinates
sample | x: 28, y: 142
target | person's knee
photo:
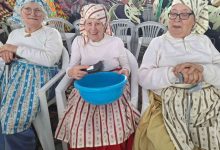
x: 24, y: 140
x: 2, y: 140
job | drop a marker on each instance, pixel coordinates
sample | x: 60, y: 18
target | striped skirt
x: 198, y: 128
x: 19, y: 97
x: 84, y: 125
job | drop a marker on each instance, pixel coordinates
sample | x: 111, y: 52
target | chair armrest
x: 42, y: 91
x: 145, y: 100
x: 42, y: 121
x: 134, y: 92
x: 60, y: 94
x: 52, y: 81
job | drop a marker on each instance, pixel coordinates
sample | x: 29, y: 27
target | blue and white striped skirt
x: 19, y: 97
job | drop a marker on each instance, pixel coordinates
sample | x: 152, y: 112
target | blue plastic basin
x: 101, y: 88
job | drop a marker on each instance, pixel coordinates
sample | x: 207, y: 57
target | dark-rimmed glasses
x: 182, y: 16
x: 28, y: 10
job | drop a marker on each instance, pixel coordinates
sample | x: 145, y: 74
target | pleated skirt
x: 84, y: 125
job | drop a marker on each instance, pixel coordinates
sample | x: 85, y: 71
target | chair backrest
x: 146, y: 31
x: 76, y: 25
x: 60, y: 24
x: 124, y: 29
x: 4, y: 28
x: 134, y: 78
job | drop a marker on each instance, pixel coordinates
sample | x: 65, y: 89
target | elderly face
x: 95, y: 29
x: 32, y: 14
x: 181, y: 21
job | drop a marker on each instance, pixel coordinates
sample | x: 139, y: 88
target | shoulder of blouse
x: 78, y: 40
x: 114, y: 39
x: 50, y: 30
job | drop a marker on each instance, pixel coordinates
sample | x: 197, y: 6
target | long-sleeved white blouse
x: 43, y: 47
x: 165, y: 52
x: 110, y: 49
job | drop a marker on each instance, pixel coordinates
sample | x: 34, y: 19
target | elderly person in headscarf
x: 97, y: 127
x: 33, y: 53
x: 16, y: 18
x: 181, y: 71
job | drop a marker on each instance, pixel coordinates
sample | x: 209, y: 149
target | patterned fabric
x: 94, y: 11
x: 16, y: 18
x: 5, y: 11
x: 19, y: 97
x: 201, y: 126
x: 11, y: 3
x: 200, y: 9
x: 60, y: 12
x: 2, y: 63
x: 127, y: 145
x: 151, y: 133
x: 84, y: 125
x: 52, y: 7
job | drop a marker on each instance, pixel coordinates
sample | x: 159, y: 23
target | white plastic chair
x: 145, y: 32
x: 42, y: 123
x: 76, y: 26
x: 124, y: 29
x: 60, y: 24
x: 66, y: 81
x: 4, y: 28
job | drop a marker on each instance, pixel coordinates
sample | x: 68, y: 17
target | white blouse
x: 43, y: 47
x: 165, y: 52
x: 110, y: 49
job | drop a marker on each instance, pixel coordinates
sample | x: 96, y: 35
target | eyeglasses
x: 37, y: 12
x: 182, y: 16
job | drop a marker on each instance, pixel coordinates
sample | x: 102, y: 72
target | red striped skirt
x: 87, y: 126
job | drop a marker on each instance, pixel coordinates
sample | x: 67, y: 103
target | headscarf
x: 200, y: 10
x: 16, y: 18
x: 94, y: 11
x: 44, y: 6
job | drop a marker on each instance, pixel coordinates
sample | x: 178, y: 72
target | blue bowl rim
x: 77, y: 86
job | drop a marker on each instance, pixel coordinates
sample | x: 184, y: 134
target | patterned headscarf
x: 200, y: 9
x: 44, y: 6
x: 16, y: 18
x: 94, y: 11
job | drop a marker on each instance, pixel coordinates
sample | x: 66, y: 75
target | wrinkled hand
x: 124, y: 71
x: 76, y: 72
x: 192, y: 73
x: 8, y: 47
x: 7, y: 56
